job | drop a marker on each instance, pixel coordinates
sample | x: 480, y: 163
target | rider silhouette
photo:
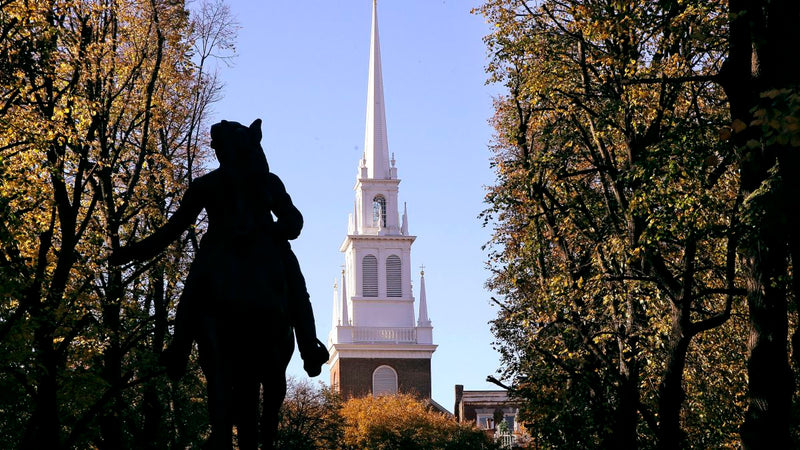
x: 244, y: 276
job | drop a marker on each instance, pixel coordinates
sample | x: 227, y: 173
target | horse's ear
x: 255, y: 128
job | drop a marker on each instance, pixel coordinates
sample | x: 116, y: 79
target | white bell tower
x: 376, y: 345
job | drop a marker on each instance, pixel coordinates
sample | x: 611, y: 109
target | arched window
x: 384, y: 381
x: 369, y: 268
x: 394, y: 285
x: 379, y: 211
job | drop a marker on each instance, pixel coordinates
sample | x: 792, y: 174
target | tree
x: 97, y: 100
x: 615, y: 218
x: 314, y: 417
x: 761, y: 78
x: 404, y: 422
x: 309, y: 417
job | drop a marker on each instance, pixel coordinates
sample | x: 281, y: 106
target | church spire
x: 423, y: 320
x: 376, y: 146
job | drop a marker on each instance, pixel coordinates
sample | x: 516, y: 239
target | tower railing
x: 385, y: 334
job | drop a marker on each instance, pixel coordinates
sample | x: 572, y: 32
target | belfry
x: 378, y: 345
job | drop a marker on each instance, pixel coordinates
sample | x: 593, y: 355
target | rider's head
x: 238, y: 145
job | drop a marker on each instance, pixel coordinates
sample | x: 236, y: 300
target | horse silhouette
x: 244, y: 291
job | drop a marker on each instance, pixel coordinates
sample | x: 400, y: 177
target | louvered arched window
x: 379, y: 211
x: 384, y: 381
x: 394, y: 286
x: 369, y: 269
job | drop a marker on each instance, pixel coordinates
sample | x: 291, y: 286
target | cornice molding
x: 373, y: 351
x: 374, y: 237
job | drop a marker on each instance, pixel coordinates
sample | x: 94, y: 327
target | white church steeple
x: 376, y: 323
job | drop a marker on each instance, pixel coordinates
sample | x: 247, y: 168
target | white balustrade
x: 385, y: 334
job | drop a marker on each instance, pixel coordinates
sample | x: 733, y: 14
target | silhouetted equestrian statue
x: 244, y: 292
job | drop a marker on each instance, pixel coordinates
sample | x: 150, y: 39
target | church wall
x: 383, y: 313
x: 354, y: 375
x: 381, y: 251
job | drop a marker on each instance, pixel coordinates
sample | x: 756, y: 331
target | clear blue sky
x: 302, y: 68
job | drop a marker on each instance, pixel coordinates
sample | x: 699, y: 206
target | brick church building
x: 378, y: 343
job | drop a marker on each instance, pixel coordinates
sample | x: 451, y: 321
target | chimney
x: 457, y: 409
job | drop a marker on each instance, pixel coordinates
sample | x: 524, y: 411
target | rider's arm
x: 185, y: 216
x: 290, y: 221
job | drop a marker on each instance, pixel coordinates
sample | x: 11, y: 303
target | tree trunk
x: 44, y: 427
x: 155, y: 435
x: 770, y: 387
x: 671, y: 393
x: 111, y: 422
x: 763, y: 55
x: 624, y: 432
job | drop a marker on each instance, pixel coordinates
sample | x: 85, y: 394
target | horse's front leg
x: 274, y: 386
x: 218, y: 385
x: 274, y: 394
x: 245, y: 404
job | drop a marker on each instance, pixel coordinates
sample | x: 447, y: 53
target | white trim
x: 375, y: 354
x: 351, y: 238
x: 382, y: 299
x: 367, y: 181
x: 373, y: 351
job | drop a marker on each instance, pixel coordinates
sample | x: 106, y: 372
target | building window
x: 394, y: 285
x: 485, y: 421
x: 379, y: 211
x: 510, y: 422
x: 369, y: 269
x: 384, y: 381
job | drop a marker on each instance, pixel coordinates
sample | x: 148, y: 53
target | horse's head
x: 238, y: 145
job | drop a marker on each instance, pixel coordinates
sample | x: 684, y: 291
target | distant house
x: 489, y: 410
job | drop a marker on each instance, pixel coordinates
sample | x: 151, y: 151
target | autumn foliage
x: 403, y: 422
x: 645, y: 168
x: 314, y: 417
x: 102, y: 112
